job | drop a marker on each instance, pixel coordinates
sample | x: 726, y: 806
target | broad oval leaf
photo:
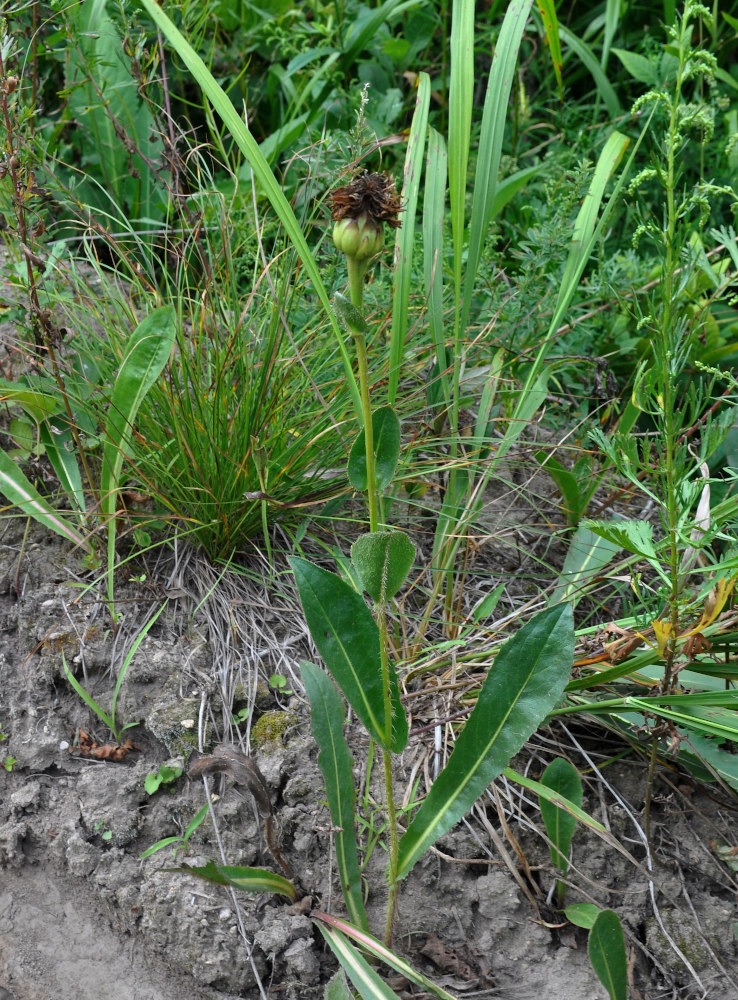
x: 386, y: 434
x: 561, y: 776
x: 525, y: 682
x: 606, y: 947
x: 383, y: 560
x: 347, y: 638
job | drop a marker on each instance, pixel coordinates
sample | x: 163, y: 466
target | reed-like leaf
x: 551, y: 31
x: 327, y: 717
x: 492, y: 134
x: 525, y: 682
x: 604, y: 88
x: 405, y: 239
x: 147, y: 352
x: 361, y: 974
x: 434, y: 201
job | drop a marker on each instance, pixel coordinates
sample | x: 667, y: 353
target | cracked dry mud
x: 82, y: 917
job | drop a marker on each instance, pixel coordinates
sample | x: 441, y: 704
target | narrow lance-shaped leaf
x: 380, y: 951
x: 561, y: 776
x: 525, y: 682
x: 327, y: 716
x: 494, y: 119
x: 248, y: 879
x: 347, y: 638
x: 23, y: 495
x: 361, y: 974
x: 405, y: 240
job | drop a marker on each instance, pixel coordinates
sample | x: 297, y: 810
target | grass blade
x: 361, y: 974
x: 525, y: 682
x: 405, y: 240
x: 460, y: 98
x: 551, y: 30
x: 433, y: 216
x: 271, y: 187
x: 604, y: 88
x: 327, y: 717
x: 148, y: 351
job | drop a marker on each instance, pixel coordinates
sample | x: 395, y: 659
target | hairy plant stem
x: 356, y: 272
x: 666, y: 401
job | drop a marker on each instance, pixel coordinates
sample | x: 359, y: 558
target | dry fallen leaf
x: 85, y: 745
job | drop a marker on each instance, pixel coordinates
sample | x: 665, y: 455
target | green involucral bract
x: 359, y: 238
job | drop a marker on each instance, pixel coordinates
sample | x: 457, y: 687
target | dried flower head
x: 368, y: 194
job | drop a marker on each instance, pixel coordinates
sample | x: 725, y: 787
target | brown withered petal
x: 374, y: 194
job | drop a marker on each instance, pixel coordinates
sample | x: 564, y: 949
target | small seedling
x: 8, y: 761
x: 179, y: 843
x: 102, y: 830
x: 279, y: 683
x: 166, y: 775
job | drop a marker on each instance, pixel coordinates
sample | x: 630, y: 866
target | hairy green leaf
x: 347, y: 638
x: 383, y: 560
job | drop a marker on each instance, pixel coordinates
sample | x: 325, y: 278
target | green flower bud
x: 359, y: 238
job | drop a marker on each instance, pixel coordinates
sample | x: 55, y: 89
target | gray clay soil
x: 82, y: 917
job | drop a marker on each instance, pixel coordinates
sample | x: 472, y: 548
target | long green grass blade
x: 86, y: 698
x: 23, y: 495
x: 406, y: 234
x: 461, y: 92
x: 250, y: 149
x: 525, y: 682
x: 604, y: 88
x: 551, y: 31
x: 494, y: 120
x: 148, y: 351
x: 327, y: 717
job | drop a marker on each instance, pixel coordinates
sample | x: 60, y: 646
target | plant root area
x: 83, y: 917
